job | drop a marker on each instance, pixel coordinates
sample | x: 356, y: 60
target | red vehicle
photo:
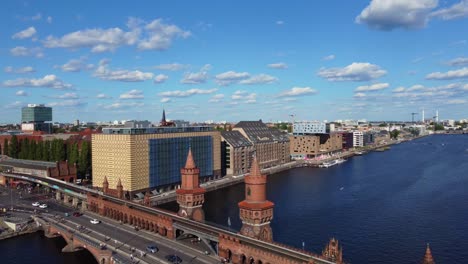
x: 77, y: 214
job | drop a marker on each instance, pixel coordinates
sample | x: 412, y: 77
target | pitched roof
x: 258, y: 132
x: 235, y: 139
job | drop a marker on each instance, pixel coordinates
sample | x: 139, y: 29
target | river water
x: 383, y: 207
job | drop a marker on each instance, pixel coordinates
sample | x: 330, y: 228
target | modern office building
x: 238, y: 152
x: 368, y: 138
x: 309, y: 146
x: 150, y: 158
x: 34, y: 118
x: 348, y: 141
x: 309, y: 127
x: 271, y: 145
x: 137, y: 124
x: 358, y: 139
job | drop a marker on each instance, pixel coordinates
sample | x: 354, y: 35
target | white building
x: 309, y: 127
x: 358, y: 139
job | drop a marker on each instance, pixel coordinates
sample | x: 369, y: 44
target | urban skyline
x: 374, y: 60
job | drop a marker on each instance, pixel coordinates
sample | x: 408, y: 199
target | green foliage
x: 84, y: 160
x: 32, y: 150
x: 5, y: 147
x: 74, y: 129
x: 13, y: 147
x: 394, y: 134
x: 39, y: 151
x: 438, y: 127
x: 74, y: 154
x: 383, y: 125
x: 24, y: 149
x: 58, y: 130
x: 414, y: 131
x: 58, y: 152
x: 283, y: 126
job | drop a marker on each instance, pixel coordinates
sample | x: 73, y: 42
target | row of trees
x: 55, y: 150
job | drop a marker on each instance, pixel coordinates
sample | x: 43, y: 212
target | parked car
x: 43, y: 206
x: 77, y: 214
x: 152, y: 248
x: 173, y: 258
x: 94, y: 221
x: 36, y: 204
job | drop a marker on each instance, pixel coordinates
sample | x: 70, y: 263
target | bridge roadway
x: 181, y: 222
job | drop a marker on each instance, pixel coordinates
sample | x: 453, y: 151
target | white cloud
x: 399, y: 89
x: 21, y: 93
x: 104, y: 73
x: 416, y: 87
x: 260, y: 79
x: 248, y: 98
x: 132, y: 94
x: 23, y: 51
x: 279, y: 22
x: 279, y: 65
x: 391, y: 14
x: 120, y: 105
x: 461, y: 61
x: 458, y: 10
x: 165, y: 100
x: 27, y: 33
x: 160, y: 78
x: 359, y: 95
x: 299, y: 91
x: 457, y: 101
x: 329, y: 57
x: 450, y: 75
x: 357, y: 71
x: 161, y: 35
x: 216, y: 98
x: 171, y: 67
x: 372, y: 87
x: 186, y: 93
x: 48, y: 81
x: 38, y: 16
x: 103, y: 96
x: 27, y: 69
x: 65, y: 96
x: 67, y: 103
x: 14, y: 105
x: 49, y: 19
x: 230, y: 77
x: 197, y: 77
x: 76, y: 65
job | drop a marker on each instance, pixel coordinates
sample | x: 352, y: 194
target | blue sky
x: 235, y: 60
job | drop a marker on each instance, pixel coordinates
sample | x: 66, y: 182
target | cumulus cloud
x: 165, y: 100
x: 67, y: 103
x: 230, y: 77
x: 103, y: 96
x: 457, y: 101
x: 49, y: 19
x: 399, y: 89
x: 260, y: 79
x: 359, y: 95
x: 458, y: 10
x: 27, y: 33
x: 65, y: 96
x: 372, y: 87
x: 23, y: 52
x: 187, y: 93
x: 391, y: 14
x: 21, y: 93
x: 279, y: 65
x: 132, y: 94
x: 279, y: 22
x: 38, y: 16
x: 161, y: 35
x: 48, y: 81
x: 216, y: 98
x: 27, y: 69
x: 248, y: 98
x: 450, y: 75
x: 14, y: 105
x: 299, y: 91
x: 357, y: 72
x: 119, y: 105
x: 461, y: 61
x: 329, y: 57
x: 104, y: 73
x: 76, y: 65
x: 171, y: 67
x: 196, y: 77
x: 160, y: 78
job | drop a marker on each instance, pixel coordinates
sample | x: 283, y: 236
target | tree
x: 439, y: 127
x: 283, y: 126
x: 32, y: 150
x: 39, y: 151
x: 394, y: 134
x: 46, y: 151
x: 5, y: 147
x: 58, y: 150
x: 74, y: 154
x: 84, y: 159
x: 383, y: 125
x: 24, y: 149
x: 13, y: 147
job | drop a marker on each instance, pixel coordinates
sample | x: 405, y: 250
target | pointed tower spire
x: 333, y: 252
x: 190, y: 163
x: 119, y: 184
x: 119, y: 189
x: 428, y: 259
x: 105, y: 185
x: 163, y: 119
x: 255, y: 168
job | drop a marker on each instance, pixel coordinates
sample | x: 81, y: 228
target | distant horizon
x: 327, y: 60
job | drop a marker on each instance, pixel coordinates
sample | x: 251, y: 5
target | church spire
x: 428, y: 259
x: 163, y: 119
x: 190, y: 163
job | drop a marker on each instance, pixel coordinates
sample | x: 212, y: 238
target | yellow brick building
x: 125, y: 153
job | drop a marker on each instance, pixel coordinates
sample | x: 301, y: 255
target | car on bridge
x: 173, y: 258
x: 94, y: 221
x: 77, y: 214
x: 43, y: 206
x: 152, y: 248
x: 36, y: 204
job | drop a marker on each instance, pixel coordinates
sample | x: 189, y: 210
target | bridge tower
x: 256, y: 211
x: 120, y: 192
x: 333, y: 252
x: 105, y: 185
x: 191, y: 196
x: 428, y: 259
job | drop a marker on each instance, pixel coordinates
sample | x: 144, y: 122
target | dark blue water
x: 391, y: 205
x: 38, y: 249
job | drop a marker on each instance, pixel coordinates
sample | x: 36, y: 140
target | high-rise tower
x: 191, y: 196
x: 256, y: 211
x: 422, y: 118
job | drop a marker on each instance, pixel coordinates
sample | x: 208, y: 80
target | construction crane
x: 412, y: 116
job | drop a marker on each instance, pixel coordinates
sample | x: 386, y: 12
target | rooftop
x: 155, y: 130
x: 258, y: 132
x: 235, y: 139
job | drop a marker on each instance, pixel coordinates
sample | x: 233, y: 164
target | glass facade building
x: 168, y: 155
x: 36, y: 113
